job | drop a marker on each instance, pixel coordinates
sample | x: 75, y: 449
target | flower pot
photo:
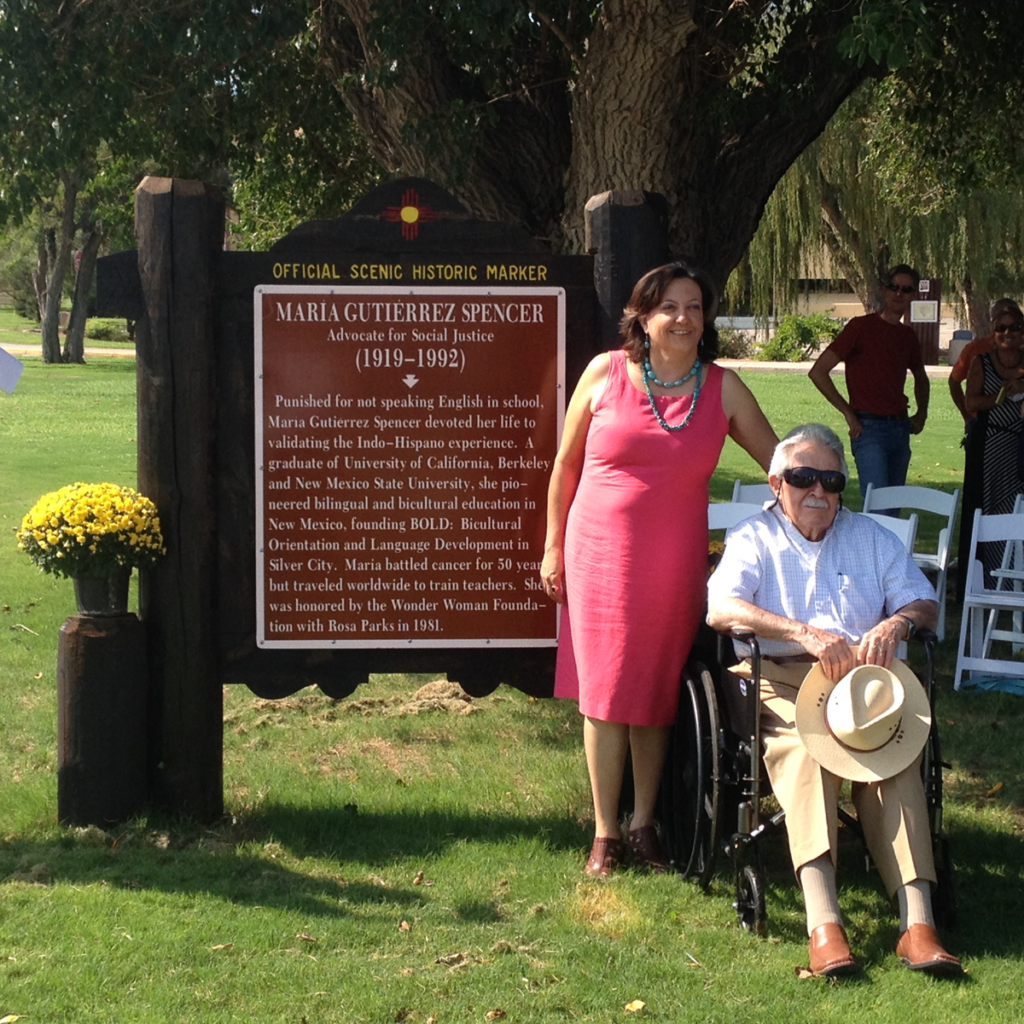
x: 103, y: 595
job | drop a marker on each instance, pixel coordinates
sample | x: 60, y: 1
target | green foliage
x: 734, y: 343
x: 106, y: 329
x: 798, y: 338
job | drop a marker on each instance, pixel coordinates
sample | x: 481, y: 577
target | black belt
x: 885, y: 419
x: 793, y: 659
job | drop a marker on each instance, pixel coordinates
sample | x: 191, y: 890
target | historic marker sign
x: 404, y: 437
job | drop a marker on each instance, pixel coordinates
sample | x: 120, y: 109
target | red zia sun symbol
x: 410, y: 213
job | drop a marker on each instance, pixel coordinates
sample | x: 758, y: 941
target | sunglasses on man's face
x: 907, y: 289
x: 1003, y: 328
x: 802, y: 478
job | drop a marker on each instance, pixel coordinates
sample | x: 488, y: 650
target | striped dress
x: 1001, y: 481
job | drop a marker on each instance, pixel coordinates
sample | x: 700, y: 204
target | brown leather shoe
x: 647, y: 852
x: 605, y: 857
x: 829, y: 951
x: 919, y: 948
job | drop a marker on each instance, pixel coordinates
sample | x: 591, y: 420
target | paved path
x: 37, y: 349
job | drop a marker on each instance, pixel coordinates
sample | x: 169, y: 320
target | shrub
x: 798, y: 338
x: 101, y: 329
x: 734, y: 343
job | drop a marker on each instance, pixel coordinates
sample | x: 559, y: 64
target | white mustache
x: 814, y: 503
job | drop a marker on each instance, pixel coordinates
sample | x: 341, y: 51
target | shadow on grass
x: 987, y: 884
x: 216, y: 860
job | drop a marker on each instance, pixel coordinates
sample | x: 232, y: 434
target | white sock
x: 818, y: 882
x: 915, y: 902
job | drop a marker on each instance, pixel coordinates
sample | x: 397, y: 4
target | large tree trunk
x: 58, y: 272
x: 74, y: 343
x: 665, y: 96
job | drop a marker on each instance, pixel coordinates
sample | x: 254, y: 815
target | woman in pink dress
x: 627, y: 537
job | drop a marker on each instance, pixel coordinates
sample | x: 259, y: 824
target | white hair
x: 807, y: 433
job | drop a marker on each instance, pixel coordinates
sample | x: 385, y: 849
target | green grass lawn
x: 377, y: 864
x: 99, y: 333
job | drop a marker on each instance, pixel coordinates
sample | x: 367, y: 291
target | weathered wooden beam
x: 179, y: 226
x: 627, y: 234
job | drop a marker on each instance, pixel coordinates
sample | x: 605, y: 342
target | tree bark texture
x: 58, y: 270
x: 179, y: 226
x: 666, y: 96
x: 74, y: 341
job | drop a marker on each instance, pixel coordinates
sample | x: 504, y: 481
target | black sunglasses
x: 802, y: 477
x: 907, y: 289
x: 1003, y: 328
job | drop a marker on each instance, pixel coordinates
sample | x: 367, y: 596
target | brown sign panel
x: 404, y: 440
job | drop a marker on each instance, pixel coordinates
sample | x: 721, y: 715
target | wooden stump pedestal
x: 102, y: 685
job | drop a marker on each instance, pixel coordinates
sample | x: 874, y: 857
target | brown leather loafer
x: 829, y: 951
x: 605, y: 857
x: 647, y: 853
x: 920, y: 950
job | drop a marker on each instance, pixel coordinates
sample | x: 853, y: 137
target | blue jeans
x: 882, y: 454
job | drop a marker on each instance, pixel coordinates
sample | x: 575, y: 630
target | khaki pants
x: 893, y: 813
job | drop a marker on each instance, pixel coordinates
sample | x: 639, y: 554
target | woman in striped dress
x: 995, y: 394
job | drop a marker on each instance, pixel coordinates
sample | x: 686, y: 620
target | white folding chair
x: 983, y: 605
x: 724, y: 515
x: 752, y: 492
x: 1010, y: 575
x: 906, y: 530
x: 924, y: 499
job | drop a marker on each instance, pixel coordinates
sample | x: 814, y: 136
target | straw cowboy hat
x: 867, y: 727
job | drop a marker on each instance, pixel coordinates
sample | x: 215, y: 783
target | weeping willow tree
x: 863, y: 197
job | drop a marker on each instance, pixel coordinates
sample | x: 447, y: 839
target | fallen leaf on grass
x: 495, y: 1015
x: 995, y: 789
x: 224, y: 945
x: 303, y: 937
x: 803, y: 973
x: 694, y: 961
x: 404, y: 926
x: 11, y: 1018
x: 453, y: 959
x: 418, y: 880
x: 634, y: 1006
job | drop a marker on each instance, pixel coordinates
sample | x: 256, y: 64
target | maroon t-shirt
x: 878, y: 355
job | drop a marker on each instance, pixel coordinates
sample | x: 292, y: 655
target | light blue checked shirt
x: 858, y: 574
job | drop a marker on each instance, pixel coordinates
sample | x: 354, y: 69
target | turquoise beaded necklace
x: 649, y: 375
x: 657, y: 412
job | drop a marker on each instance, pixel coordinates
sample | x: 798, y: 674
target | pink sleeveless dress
x: 636, y: 551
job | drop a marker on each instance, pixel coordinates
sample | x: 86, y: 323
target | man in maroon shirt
x: 878, y: 350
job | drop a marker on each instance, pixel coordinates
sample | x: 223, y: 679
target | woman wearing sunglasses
x: 827, y: 590
x: 995, y: 395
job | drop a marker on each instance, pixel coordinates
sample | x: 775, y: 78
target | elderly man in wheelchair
x: 831, y: 594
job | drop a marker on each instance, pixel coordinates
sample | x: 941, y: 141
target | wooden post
x: 101, y: 720
x: 179, y: 226
x: 627, y: 234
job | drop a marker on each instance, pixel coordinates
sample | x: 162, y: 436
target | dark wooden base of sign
x: 102, y: 684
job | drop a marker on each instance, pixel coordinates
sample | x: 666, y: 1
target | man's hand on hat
x: 837, y: 657
x: 878, y: 645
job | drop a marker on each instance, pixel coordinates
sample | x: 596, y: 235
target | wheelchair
x: 714, y: 782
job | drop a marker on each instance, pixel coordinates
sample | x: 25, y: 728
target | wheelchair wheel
x: 750, y: 910
x: 690, y: 794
